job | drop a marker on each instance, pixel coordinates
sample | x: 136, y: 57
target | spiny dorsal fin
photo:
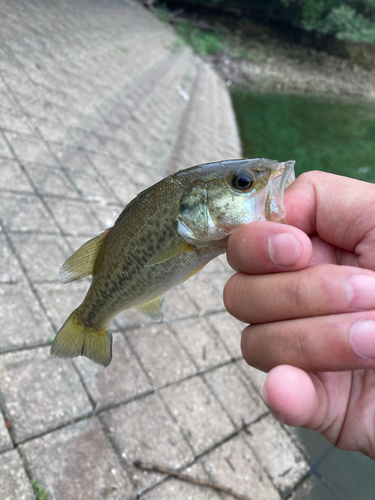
x: 153, y: 308
x: 170, y: 252
x: 81, y: 263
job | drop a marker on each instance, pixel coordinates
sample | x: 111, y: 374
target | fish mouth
x: 282, y: 177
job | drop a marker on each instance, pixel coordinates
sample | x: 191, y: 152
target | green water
x: 319, y: 133
x: 335, y: 136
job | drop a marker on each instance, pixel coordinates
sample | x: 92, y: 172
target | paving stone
x: 41, y: 254
x: 120, y: 381
x: 50, y: 179
x: 5, y: 149
x: 28, y: 148
x: 12, y: 176
x: 235, y: 393
x: 256, y: 376
x: 50, y: 129
x: 14, y: 483
x: 166, y: 361
x: 178, y: 306
x: 277, y: 453
x: 15, y: 121
x: 175, y: 488
x: 131, y: 318
x: 119, y: 179
x: 75, y: 217
x: 234, y: 465
x: 144, y: 430
x: 77, y: 463
x: 198, y: 413
x: 86, y: 178
x: 206, y: 294
x: 10, y: 269
x: 229, y: 330
x: 21, y: 212
x: 22, y: 320
x: 106, y: 214
x: 39, y: 392
x: 5, y: 441
x: 201, y: 342
x: 60, y: 300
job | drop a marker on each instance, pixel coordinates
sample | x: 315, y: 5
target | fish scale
x: 163, y: 236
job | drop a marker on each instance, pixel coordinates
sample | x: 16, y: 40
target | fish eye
x: 242, y: 180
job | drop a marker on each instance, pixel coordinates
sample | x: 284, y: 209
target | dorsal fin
x: 81, y: 263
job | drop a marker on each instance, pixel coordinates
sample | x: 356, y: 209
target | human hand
x: 310, y: 301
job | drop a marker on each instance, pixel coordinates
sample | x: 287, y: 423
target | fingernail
x: 360, y: 290
x: 362, y: 338
x: 284, y: 249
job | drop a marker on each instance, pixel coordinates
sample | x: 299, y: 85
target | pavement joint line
x: 105, y: 408
x: 136, y: 326
x: 60, y: 197
x: 36, y: 192
x: 207, y: 451
x: 24, y: 270
x: 125, y: 465
x: 175, y: 155
x: 64, y: 170
x: 224, y: 410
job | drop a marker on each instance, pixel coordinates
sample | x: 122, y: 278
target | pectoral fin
x: 169, y: 252
x: 153, y: 308
x: 81, y: 263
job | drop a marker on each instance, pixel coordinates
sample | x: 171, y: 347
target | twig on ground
x: 189, y: 479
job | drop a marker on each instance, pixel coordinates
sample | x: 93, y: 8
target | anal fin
x: 153, y: 308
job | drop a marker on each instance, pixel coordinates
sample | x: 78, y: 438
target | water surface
x: 327, y: 134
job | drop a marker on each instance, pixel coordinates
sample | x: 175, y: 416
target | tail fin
x: 77, y: 339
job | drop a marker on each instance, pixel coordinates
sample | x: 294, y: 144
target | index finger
x: 268, y: 247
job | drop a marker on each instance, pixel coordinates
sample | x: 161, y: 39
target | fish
x: 164, y: 236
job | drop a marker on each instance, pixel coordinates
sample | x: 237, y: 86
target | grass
x: 39, y: 492
x: 162, y: 13
x: 175, y: 45
x: 202, y: 41
x: 210, y: 42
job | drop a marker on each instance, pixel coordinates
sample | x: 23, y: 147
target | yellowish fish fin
x: 170, y: 252
x: 77, y: 339
x: 153, y: 308
x: 193, y: 272
x: 81, y: 263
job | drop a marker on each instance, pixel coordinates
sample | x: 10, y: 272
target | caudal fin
x: 77, y: 339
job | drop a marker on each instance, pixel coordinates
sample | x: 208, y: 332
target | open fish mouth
x: 283, y: 176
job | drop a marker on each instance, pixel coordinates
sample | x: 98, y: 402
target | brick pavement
x: 90, y: 114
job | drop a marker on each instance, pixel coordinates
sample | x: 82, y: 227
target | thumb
x: 339, y: 209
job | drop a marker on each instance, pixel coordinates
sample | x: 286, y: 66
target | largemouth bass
x: 165, y: 235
